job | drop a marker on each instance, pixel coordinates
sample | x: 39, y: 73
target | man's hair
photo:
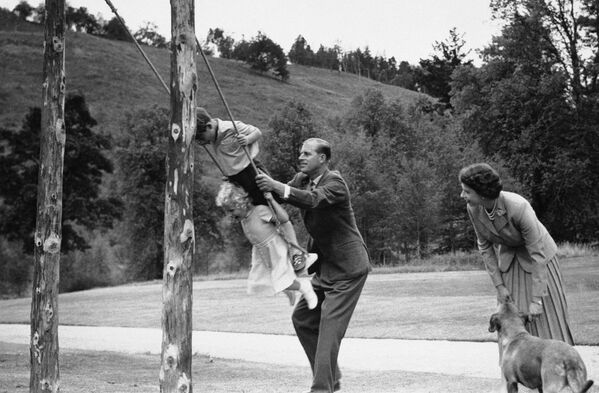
x: 483, y: 179
x: 322, y: 147
x: 202, y: 119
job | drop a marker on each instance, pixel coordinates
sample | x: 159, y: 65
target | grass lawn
x: 447, y: 305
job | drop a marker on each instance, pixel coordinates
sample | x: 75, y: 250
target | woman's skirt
x: 553, y: 323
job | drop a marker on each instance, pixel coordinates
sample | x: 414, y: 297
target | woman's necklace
x: 491, y: 214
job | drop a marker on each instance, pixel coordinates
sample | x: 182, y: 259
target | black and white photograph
x: 309, y: 196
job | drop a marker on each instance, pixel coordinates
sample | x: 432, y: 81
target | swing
x: 298, y: 265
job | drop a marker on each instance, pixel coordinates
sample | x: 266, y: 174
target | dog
x: 546, y: 365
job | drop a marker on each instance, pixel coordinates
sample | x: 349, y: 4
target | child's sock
x: 307, y: 291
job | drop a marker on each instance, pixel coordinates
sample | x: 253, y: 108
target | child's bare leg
x: 290, y: 295
x: 295, y: 286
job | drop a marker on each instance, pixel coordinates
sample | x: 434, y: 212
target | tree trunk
x: 179, y: 237
x: 45, y: 376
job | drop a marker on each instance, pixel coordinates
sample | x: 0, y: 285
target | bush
x: 264, y: 55
x: 99, y: 266
x: 15, y: 269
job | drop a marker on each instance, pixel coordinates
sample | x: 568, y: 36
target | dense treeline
x: 430, y: 76
x: 530, y: 109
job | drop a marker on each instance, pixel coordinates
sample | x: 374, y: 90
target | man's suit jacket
x: 330, y: 221
x: 515, y: 234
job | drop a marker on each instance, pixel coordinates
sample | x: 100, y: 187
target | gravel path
x: 470, y: 359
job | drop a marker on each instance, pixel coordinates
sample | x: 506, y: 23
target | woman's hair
x: 231, y: 196
x: 483, y: 179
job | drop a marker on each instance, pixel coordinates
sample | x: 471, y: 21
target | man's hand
x: 265, y: 183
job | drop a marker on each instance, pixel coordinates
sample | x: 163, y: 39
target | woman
x: 518, y: 252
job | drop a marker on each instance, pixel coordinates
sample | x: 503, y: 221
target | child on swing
x: 271, y: 270
x: 234, y: 162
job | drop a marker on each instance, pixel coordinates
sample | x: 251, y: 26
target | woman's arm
x: 491, y: 265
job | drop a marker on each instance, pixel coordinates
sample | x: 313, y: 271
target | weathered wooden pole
x: 179, y: 237
x: 45, y: 376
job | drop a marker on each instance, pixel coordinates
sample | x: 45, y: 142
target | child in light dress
x: 230, y: 143
x: 271, y: 271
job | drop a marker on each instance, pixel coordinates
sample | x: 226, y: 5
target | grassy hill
x: 115, y: 79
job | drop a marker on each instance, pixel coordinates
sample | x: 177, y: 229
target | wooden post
x: 45, y: 376
x: 179, y: 237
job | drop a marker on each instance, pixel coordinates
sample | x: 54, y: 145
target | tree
x: 23, y: 10
x: 522, y: 105
x: 290, y: 128
x: 300, y: 52
x: 241, y: 51
x: 265, y: 55
x: 369, y: 112
x: 434, y: 75
x: 405, y: 76
x: 327, y: 58
x: 39, y: 13
x: 82, y: 21
x: 560, y: 28
x: 224, y: 44
x: 114, y: 30
x: 147, y: 35
x: 85, y: 163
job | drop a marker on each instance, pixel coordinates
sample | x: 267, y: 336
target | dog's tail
x: 575, y: 383
x: 587, y: 385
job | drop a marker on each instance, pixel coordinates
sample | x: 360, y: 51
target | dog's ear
x: 494, y: 323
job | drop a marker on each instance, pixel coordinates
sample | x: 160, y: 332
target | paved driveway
x: 470, y: 359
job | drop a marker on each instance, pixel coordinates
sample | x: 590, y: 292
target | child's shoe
x: 298, y: 261
x: 303, y: 261
x: 307, y: 290
x: 311, y: 259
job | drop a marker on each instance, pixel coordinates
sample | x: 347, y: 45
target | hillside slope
x: 115, y: 79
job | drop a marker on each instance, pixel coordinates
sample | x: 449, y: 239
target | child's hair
x: 202, y: 119
x: 231, y: 196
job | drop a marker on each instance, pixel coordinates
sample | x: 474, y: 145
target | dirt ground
x: 111, y: 372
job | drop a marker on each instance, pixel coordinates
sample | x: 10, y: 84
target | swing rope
x: 168, y: 91
x: 224, y: 101
x: 222, y: 97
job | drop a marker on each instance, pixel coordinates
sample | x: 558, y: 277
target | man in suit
x: 343, y: 263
